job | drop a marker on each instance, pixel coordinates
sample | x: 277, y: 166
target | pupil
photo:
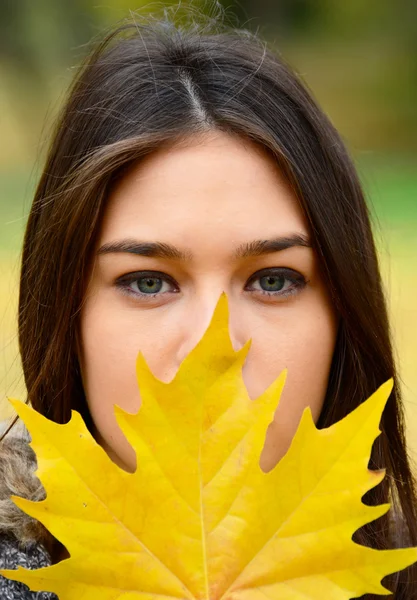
x: 276, y: 283
x: 150, y: 284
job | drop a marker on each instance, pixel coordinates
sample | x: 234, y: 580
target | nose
x: 198, y: 319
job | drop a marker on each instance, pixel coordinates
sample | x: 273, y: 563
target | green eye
x: 149, y: 284
x: 278, y: 282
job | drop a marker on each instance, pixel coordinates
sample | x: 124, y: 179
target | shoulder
x: 21, y: 537
x: 30, y: 556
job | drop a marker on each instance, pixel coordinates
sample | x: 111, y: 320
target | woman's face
x: 209, y: 198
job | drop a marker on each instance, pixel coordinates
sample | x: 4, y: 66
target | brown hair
x: 154, y: 82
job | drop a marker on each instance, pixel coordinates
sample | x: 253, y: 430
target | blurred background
x: 358, y: 58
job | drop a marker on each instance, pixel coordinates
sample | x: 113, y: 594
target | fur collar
x: 17, y: 477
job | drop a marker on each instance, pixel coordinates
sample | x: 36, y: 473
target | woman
x: 187, y: 161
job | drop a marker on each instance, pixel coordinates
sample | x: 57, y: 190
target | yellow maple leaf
x: 199, y: 519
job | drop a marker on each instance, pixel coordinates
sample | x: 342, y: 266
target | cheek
x: 108, y: 357
x: 305, y: 347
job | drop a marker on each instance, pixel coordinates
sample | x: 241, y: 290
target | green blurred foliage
x: 360, y: 58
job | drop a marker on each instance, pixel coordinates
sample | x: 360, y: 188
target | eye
x: 278, y: 282
x: 145, y: 284
x: 275, y: 282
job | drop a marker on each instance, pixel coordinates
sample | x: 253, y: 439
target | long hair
x: 152, y: 82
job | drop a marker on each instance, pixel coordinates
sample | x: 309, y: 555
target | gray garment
x: 32, y: 556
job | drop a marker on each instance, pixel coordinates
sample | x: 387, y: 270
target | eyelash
x: 299, y: 282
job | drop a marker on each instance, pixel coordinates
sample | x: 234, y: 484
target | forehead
x: 217, y: 183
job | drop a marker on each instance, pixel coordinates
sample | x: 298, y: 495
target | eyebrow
x: 165, y: 250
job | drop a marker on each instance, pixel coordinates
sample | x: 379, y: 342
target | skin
x: 206, y: 197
